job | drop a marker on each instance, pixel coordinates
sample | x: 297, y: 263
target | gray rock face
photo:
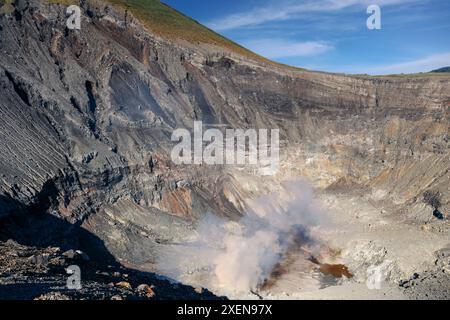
x: 86, y: 118
x: 431, y: 284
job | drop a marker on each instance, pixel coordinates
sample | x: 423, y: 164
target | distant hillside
x: 440, y: 70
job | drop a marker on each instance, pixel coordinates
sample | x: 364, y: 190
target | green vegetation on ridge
x: 442, y: 70
x: 169, y: 23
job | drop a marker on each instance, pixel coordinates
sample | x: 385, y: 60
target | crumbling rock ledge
x: 32, y: 273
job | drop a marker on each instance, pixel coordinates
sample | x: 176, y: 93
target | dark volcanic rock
x: 23, y: 277
x: 431, y: 284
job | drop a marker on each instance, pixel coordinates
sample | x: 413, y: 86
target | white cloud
x: 289, y: 11
x: 274, y: 48
x: 425, y: 64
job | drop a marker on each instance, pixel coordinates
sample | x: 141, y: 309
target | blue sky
x: 331, y: 35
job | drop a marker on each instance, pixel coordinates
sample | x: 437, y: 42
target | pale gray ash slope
x: 86, y: 118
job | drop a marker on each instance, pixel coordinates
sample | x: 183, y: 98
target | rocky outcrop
x: 42, y: 274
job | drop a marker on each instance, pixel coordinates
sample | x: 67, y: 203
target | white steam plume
x: 240, y: 256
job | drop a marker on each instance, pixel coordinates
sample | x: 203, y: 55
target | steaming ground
x: 238, y: 257
x: 291, y: 245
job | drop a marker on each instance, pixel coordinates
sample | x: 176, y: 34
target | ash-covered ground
x: 348, y: 250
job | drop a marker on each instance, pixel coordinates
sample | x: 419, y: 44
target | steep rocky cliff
x: 86, y: 118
